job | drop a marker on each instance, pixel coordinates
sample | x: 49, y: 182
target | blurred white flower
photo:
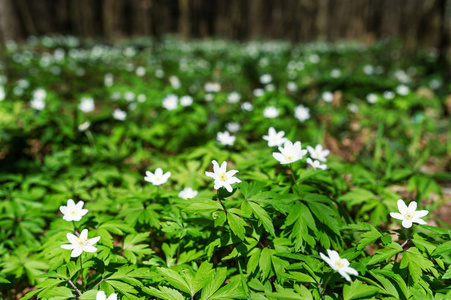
x: 108, y: 80
x: 186, y: 101
x: 209, y: 97
x: 301, y: 113
x: 119, y: 114
x: 247, y: 106
x: 39, y: 94
x: 86, y: 105
x: 158, y: 178
x: 37, y: 103
x: 258, y: 92
x: 435, y: 84
x: 316, y: 164
x: 233, y: 126
x: 409, y: 214
x: 175, y: 82
x: 233, y: 97
x: 212, y: 87
x: 222, y: 177
x: 2, y: 93
x: 84, y: 126
x: 339, y: 264
x: 188, y: 193
x: 368, y: 69
x: 266, y: 78
x: 389, y: 95
x: 159, y: 73
x: 129, y: 96
x: 271, y: 112
x: 318, y: 152
x: 270, y: 87
x: 353, y: 107
x: 102, y: 296
x: 289, y: 153
x: 141, y: 98
x: 402, y: 90
x: 80, y: 244
x: 170, y: 102
x: 314, y: 58
x: 140, y: 71
x: 23, y: 83
x: 225, y: 138
x: 327, y: 96
x: 275, y: 138
x: 115, y: 96
x: 292, y: 86
x: 73, y: 212
x: 335, y: 73
x: 371, y: 98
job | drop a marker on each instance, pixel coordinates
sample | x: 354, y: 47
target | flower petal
x: 68, y: 247
x: 233, y: 180
x: 73, y: 239
x: 344, y: 274
x: 419, y: 221
x: 333, y: 255
x: 402, y: 207
x: 63, y: 209
x: 84, y: 234
x: 215, y: 166
x: 279, y: 157
x: 326, y: 259
x: 397, y: 216
x: 421, y: 213
x: 76, y: 252
x: 210, y: 174
x: 113, y: 296
x: 228, y: 187
x: 351, y: 271
x: 223, y: 168
x: 89, y: 249
x: 70, y: 203
x: 94, y: 240
x: 231, y: 173
x: 158, y: 172
x: 407, y: 223
x: 80, y: 204
x: 101, y: 295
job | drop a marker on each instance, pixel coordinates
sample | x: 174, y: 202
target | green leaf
x: 265, y: 262
x: 416, y: 263
x: 368, y: 238
x: 358, y: 290
x: 447, y: 274
x: 175, y: 279
x: 205, y: 206
x: 237, y: 225
x: 385, y: 254
x: 213, y: 283
x: 263, y: 216
x: 357, y: 196
x: 202, y: 275
x: 164, y: 293
x: 443, y: 249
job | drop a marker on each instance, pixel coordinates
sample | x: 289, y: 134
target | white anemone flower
x: 371, y: 98
x: 275, y: 138
x: 186, y: 101
x: 233, y: 97
x: 86, y: 105
x: 188, y: 193
x: 233, y: 126
x: 247, y: 106
x: 80, y: 244
x: 119, y: 114
x: 225, y: 138
x: 265, y: 78
x: 222, y: 177
x: 170, y: 102
x: 318, y: 152
x: 37, y: 103
x: 409, y: 214
x: 327, y: 96
x: 316, y: 164
x: 84, y: 126
x: 73, y: 212
x: 102, y: 296
x: 301, y: 113
x: 158, y: 178
x: 271, y: 112
x: 339, y: 264
x: 290, y: 153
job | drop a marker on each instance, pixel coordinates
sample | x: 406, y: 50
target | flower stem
x: 294, y: 180
x: 91, y: 139
x: 73, y: 285
x: 81, y: 270
x: 403, y: 244
x: 98, y: 284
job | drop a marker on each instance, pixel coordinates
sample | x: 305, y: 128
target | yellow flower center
x: 289, y: 157
x: 340, y: 263
x: 73, y: 212
x: 223, y: 176
x: 409, y: 215
x: 82, y: 242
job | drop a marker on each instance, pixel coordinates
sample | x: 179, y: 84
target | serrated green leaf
x: 175, y: 279
x: 263, y: 216
x: 236, y: 225
x: 358, y: 290
x: 385, y: 254
x: 368, y: 238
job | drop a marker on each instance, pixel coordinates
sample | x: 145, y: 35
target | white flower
x: 188, y: 193
x: 222, y: 177
x: 175, y: 82
x: 233, y: 97
x: 102, y: 296
x: 39, y: 94
x: 335, y: 73
x: 86, y: 105
x: 37, y: 103
x: 318, y: 152
x: 327, y: 97
x: 368, y: 69
x: 209, y: 97
x: 259, y: 92
x: 170, y: 102
x: 225, y: 138
x: 289, y: 153
x: 140, y: 71
x: 271, y: 112
x: 2, y: 93
x: 339, y: 264
x: 265, y: 79
x: 247, y: 106
x: 115, y: 96
x: 141, y: 98
x: 275, y: 138
x: 186, y: 101
x: 158, y: 178
x: 292, y: 86
x: 233, y: 126
x: 316, y: 164
x: 435, y: 83
x: 159, y: 73
x: 353, y: 107
x: 389, y: 95
x: 301, y: 113
x: 270, y: 87
x: 119, y: 114
x: 73, y: 212
x: 314, y: 58
x: 371, y: 98
x: 402, y: 90
x: 409, y: 215
x: 84, y: 126
x: 129, y: 96
x: 212, y: 87
x: 81, y: 243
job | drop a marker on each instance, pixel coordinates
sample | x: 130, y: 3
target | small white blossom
x: 129, y: 96
x: 327, y: 97
x: 108, y: 80
x: 158, y: 178
x: 402, y: 90
x: 102, y: 296
x: 170, y: 102
x: 270, y: 87
x: 353, y: 107
x: 233, y: 97
x: 86, y: 105
x: 209, y: 97
x: 339, y: 264
x: 368, y: 69
x: 259, y: 92
x: 292, y: 86
x: 115, y: 96
x: 316, y: 164
x: 266, y: 78
x: 290, y: 153
x: 233, y: 126
x: 141, y: 98
x: 81, y: 243
x: 409, y: 214
x: 175, y: 82
x: 159, y: 73
x: 212, y: 87
x: 275, y: 138
x: 84, y: 126
x: 222, y: 177
x: 140, y: 71
x: 318, y: 152
x: 188, y: 193
x: 314, y: 58
x: 371, y: 98
x: 73, y: 212
x: 225, y: 138
x: 247, y: 106
x: 186, y: 101
x: 37, y: 103
x: 119, y: 114
x: 2, y: 93
x: 271, y: 112
x: 335, y: 73
x: 389, y: 95
x: 39, y: 94
x: 301, y: 113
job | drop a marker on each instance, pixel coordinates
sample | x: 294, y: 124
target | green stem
x: 294, y: 180
x: 325, y: 285
x: 91, y: 139
x: 81, y: 270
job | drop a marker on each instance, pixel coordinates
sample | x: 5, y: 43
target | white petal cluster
x: 290, y: 153
x: 102, y: 296
x: 275, y: 138
x: 158, y: 178
x: 73, y: 212
x: 233, y: 97
x: 119, y: 114
x: 341, y: 265
x: 188, y: 193
x: 301, y: 113
x: 225, y: 138
x: 409, y: 214
x: 371, y: 98
x: 186, y: 101
x: 327, y: 96
x: 80, y: 244
x: 318, y: 152
x: 271, y: 112
x: 170, y: 102
x: 222, y: 177
x: 316, y: 164
x: 86, y: 105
